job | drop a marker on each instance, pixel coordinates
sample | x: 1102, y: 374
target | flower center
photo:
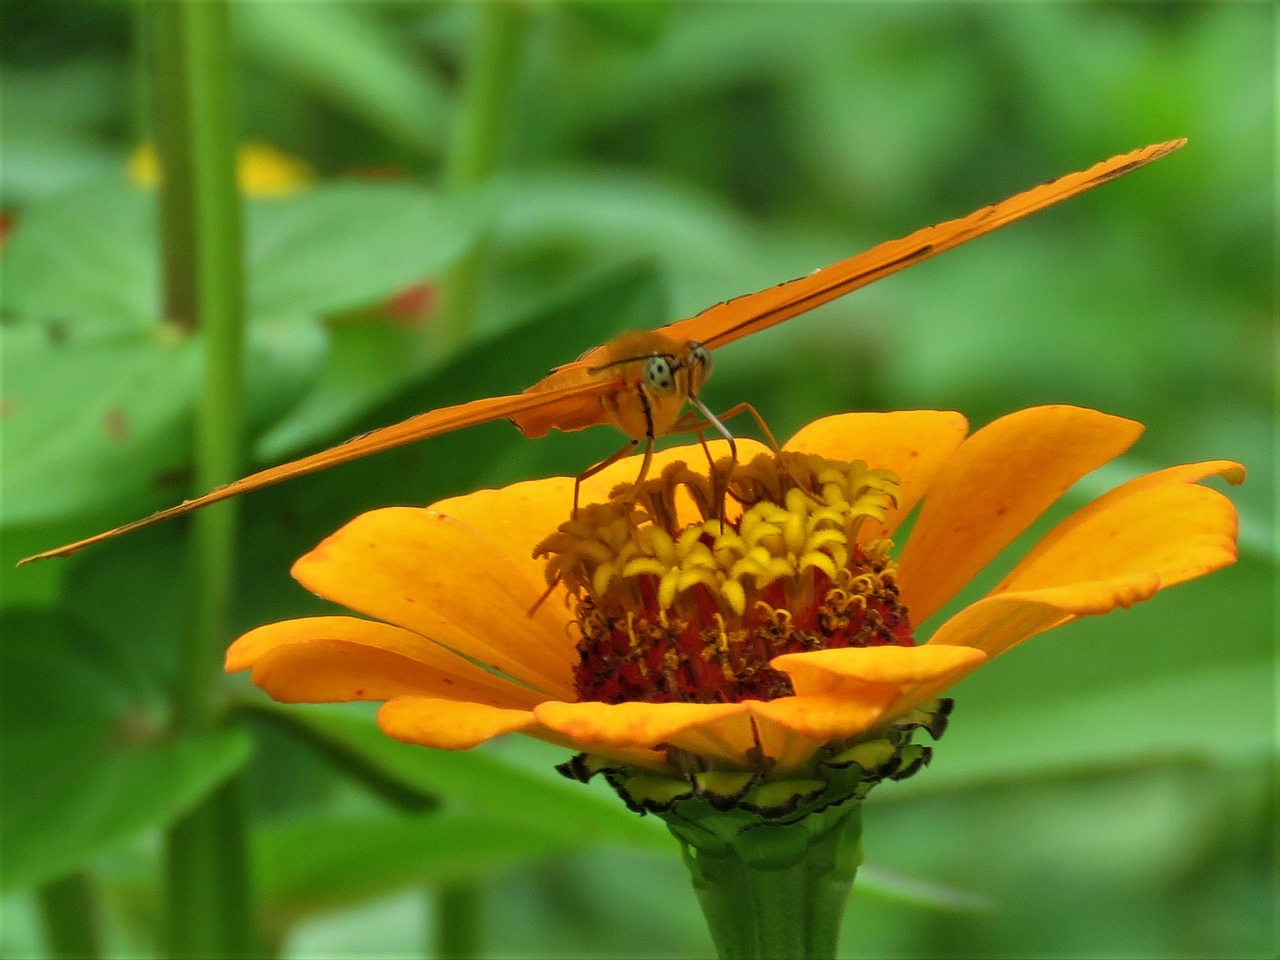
x: 674, y: 604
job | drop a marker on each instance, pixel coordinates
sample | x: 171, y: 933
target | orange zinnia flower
x: 748, y: 641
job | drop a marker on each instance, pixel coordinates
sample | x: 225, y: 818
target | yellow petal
x: 914, y: 444
x: 433, y: 575
x: 1161, y: 523
x: 334, y: 659
x: 827, y: 716
x: 449, y: 724
x: 629, y: 724
x: 996, y: 484
x: 996, y: 623
x: 514, y: 519
x: 823, y: 671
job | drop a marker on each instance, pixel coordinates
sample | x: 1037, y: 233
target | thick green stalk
x: 483, y: 115
x: 69, y: 914
x: 195, y: 132
x: 777, y: 891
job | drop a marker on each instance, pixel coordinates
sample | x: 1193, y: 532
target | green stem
x: 458, y: 909
x: 473, y: 156
x: 195, y: 132
x: 206, y: 879
x: 69, y: 913
x: 483, y: 115
x: 763, y: 899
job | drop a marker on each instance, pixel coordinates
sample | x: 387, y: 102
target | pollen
x: 686, y: 586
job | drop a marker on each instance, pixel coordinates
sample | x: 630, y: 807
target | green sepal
x: 774, y: 800
x: 932, y: 717
x: 876, y: 758
x: 651, y: 792
x: 723, y: 788
x: 841, y: 773
x: 772, y: 861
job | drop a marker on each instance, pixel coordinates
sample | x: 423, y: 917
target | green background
x: 1108, y: 789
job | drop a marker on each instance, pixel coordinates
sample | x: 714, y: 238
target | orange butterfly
x: 641, y: 381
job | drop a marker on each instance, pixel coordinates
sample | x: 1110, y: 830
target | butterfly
x: 642, y: 381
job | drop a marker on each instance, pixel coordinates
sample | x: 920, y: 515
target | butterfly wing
x: 568, y: 398
x: 415, y: 428
x: 733, y: 319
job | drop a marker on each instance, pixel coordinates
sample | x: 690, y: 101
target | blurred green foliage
x: 1107, y: 790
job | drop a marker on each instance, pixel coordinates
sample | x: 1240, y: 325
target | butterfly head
x: 667, y: 374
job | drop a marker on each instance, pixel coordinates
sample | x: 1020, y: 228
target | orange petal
x: 914, y: 444
x: 514, y: 519
x: 334, y: 659
x: 996, y: 484
x: 433, y: 575
x: 827, y: 716
x: 1161, y: 523
x: 996, y: 623
x: 824, y: 671
x: 629, y: 724
x: 449, y: 724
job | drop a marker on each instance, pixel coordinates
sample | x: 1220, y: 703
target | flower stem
x: 473, y: 156
x: 777, y: 890
x: 69, y: 913
x: 458, y: 907
x: 200, y: 225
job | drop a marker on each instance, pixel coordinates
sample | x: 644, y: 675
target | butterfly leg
x: 610, y: 461
x: 691, y: 424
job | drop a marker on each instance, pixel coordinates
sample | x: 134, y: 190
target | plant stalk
x: 483, y: 116
x: 207, y: 892
x: 458, y: 919
x: 69, y: 915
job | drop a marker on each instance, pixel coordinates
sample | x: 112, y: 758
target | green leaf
x: 86, y: 762
x: 550, y: 333
x: 316, y: 864
x: 1216, y: 715
x: 90, y: 422
x: 367, y: 363
x: 345, y: 245
x: 86, y: 258
x: 345, y: 55
x: 639, y: 24
x: 473, y: 779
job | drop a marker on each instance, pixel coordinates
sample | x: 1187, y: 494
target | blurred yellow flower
x: 261, y: 170
x: 747, y: 644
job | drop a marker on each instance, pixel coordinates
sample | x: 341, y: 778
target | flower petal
x: 825, y: 671
x: 914, y: 444
x: 433, y: 575
x: 996, y: 623
x: 449, y: 724
x: 1161, y: 523
x: 514, y: 519
x: 996, y: 484
x: 827, y: 716
x: 335, y: 659
x: 629, y: 724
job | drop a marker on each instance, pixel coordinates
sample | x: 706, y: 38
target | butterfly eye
x: 658, y: 375
x: 700, y: 357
